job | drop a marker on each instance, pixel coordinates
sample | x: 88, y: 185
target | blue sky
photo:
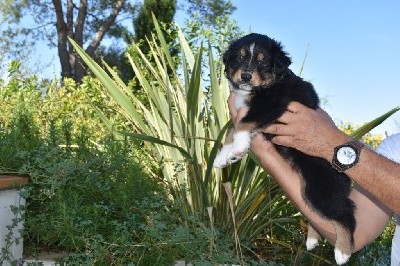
x: 354, y: 51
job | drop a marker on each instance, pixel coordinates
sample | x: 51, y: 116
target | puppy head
x: 254, y: 60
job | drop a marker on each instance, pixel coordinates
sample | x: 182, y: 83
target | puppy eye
x: 261, y: 63
x: 239, y: 58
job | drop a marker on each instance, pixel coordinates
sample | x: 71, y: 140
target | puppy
x: 257, y: 69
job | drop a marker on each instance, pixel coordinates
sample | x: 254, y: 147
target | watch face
x: 346, y: 155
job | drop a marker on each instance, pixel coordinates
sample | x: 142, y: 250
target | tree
x: 85, y: 21
x: 210, y: 14
x: 89, y: 23
x: 210, y: 10
x: 143, y: 26
x: 164, y: 11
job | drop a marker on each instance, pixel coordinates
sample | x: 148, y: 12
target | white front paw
x: 222, y: 158
x: 240, y: 146
x: 311, y: 243
x: 341, y: 257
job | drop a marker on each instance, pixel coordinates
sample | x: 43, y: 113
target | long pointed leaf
x: 112, y: 88
x: 374, y: 123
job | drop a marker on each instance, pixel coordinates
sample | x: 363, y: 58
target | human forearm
x: 383, y: 182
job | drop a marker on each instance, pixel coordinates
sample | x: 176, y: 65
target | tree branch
x: 104, y: 27
x: 80, y: 22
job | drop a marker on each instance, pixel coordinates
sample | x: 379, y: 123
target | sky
x: 353, y: 57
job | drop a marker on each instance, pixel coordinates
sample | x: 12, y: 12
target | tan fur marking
x: 343, y: 239
x: 229, y: 136
x: 237, y: 76
x: 242, y: 52
x: 270, y: 79
x: 256, y: 79
x: 245, y: 127
x: 312, y: 233
x: 260, y: 57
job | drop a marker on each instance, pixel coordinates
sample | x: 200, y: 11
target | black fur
x: 325, y: 189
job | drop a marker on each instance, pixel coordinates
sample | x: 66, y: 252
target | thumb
x: 241, y: 113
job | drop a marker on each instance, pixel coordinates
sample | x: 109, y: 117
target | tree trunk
x: 76, y: 61
x: 71, y: 64
x: 62, y: 33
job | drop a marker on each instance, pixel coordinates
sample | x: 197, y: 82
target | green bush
x: 92, y: 199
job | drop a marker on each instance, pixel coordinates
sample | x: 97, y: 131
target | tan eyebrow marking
x: 242, y: 52
x: 260, y: 57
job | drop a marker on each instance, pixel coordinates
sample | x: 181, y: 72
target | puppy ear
x: 225, y: 57
x: 281, y: 58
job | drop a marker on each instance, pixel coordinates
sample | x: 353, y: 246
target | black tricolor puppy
x: 257, y: 69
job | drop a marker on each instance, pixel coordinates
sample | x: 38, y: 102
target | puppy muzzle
x: 246, y: 76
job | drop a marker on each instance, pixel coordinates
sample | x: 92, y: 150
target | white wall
x: 10, y: 198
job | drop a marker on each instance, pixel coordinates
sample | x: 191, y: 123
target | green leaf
x: 114, y: 90
x: 214, y: 151
x: 357, y: 134
x: 157, y: 141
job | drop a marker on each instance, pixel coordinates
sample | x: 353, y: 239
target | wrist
x: 333, y: 142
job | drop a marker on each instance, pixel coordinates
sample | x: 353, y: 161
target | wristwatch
x: 346, y: 155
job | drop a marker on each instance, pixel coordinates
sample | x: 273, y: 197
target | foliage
x: 144, y: 29
x: 208, y: 11
x: 90, y: 23
x: 87, y: 22
x: 93, y: 200
x: 218, y: 34
x: 143, y: 23
x: 51, y: 105
x: 372, y: 140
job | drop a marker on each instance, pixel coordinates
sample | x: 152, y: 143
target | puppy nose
x: 246, y: 76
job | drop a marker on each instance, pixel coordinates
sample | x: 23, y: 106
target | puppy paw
x: 311, y: 243
x: 240, y: 146
x: 341, y: 257
x: 222, y: 158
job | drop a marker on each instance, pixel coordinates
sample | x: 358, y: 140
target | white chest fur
x: 240, y: 100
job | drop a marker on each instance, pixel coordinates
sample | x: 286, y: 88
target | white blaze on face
x: 251, y: 52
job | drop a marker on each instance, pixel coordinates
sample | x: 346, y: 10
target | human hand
x: 310, y: 131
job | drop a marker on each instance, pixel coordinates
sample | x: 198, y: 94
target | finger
x: 287, y: 117
x: 231, y: 105
x: 259, y: 145
x: 277, y: 129
x: 282, y: 140
x: 241, y: 113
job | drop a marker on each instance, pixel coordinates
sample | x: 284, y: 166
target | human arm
x: 371, y: 216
